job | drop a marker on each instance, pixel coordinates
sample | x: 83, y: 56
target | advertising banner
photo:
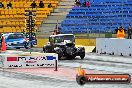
x: 30, y: 61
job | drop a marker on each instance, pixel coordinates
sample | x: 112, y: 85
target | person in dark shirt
x: 9, y: 5
x: 116, y: 30
x: 77, y: 2
x: 129, y: 32
x: 58, y: 31
x: 33, y: 5
x: 41, y: 4
x: 50, y: 6
x: 1, y: 5
x: 84, y: 4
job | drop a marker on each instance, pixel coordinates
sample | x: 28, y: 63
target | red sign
x: 11, y: 58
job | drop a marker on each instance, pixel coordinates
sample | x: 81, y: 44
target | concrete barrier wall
x: 114, y: 46
x: 84, y: 42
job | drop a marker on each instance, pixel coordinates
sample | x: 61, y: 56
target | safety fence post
x: 56, y: 65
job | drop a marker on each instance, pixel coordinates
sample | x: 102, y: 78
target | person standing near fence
x: 129, y: 32
x: 121, y: 33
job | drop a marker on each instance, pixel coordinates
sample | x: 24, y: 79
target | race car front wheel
x: 82, y: 55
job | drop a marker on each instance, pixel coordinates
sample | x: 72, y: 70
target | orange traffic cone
x: 3, y: 48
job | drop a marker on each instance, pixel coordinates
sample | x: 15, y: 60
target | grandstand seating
x: 101, y: 16
x: 13, y: 19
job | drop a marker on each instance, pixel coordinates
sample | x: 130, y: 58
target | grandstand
x: 13, y: 19
x: 56, y: 17
x: 102, y: 16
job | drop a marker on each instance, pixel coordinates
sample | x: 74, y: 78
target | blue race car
x: 16, y: 40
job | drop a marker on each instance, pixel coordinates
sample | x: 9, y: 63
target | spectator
x: 57, y: 28
x: 54, y: 32
x: 33, y: 5
x: 78, y: 3
x: 84, y: 4
x: 50, y: 6
x: 129, y: 32
x: 41, y: 4
x: 88, y: 3
x: 121, y: 33
x: 1, y: 5
x: 58, y: 31
x: 116, y: 30
x: 9, y: 5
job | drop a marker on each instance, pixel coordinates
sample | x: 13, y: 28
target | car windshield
x: 15, y: 36
x: 59, y: 39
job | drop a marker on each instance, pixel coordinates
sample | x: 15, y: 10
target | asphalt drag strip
x: 22, y: 80
x: 101, y: 63
x: 65, y: 76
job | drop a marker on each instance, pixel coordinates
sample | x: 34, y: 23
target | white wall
x: 114, y: 45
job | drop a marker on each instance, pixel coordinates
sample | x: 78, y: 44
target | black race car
x: 63, y: 45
